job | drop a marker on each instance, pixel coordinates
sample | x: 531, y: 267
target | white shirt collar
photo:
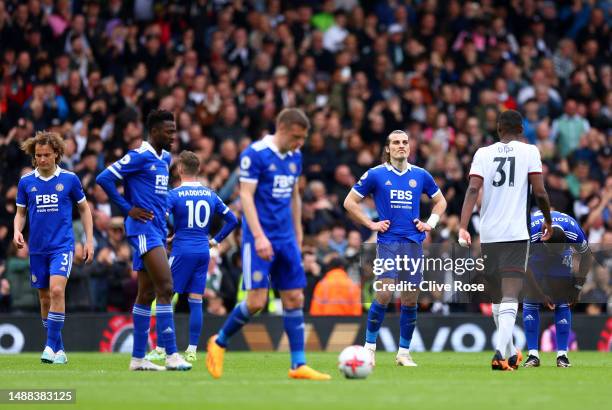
x: 269, y: 141
x: 395, y: 170
x: 58, y: 170
x: 192, y: 183
x: 149, y: 147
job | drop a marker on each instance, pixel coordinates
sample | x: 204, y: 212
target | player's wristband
x: 433, y: 220
x: 213, y: 242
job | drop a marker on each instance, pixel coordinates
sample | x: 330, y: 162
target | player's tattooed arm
x: 471, y: 196
x: 539, y: 191
x: 87, y: 220
x: 18, y: 225
x: 351, y: 204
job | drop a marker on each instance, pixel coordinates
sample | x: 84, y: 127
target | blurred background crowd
x: 441, y: 70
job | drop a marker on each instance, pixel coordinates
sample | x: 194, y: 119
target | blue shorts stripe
x: 70, y: 258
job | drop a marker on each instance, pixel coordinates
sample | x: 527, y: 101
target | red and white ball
x: 355, y: 362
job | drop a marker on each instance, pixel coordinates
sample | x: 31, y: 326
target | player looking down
x: 551, y: 264
x: 144, y: 175
x: 271, y: 240
x: 47, y: 194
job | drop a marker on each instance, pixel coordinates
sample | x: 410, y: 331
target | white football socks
x: 506, y: 320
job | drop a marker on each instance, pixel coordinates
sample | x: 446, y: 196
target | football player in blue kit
x: 47, y: 194
x: 271, y: 240
x: 551, y: 263
x: 396, y: 187
x: 144, y: 174
x: 192, y: 206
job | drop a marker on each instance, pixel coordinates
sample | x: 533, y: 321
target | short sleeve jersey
x: 397, y: 196
x: 49, y: 202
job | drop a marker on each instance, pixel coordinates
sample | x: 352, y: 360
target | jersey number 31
x: 502, y: 174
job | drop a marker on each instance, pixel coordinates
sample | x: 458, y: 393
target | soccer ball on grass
x: 354, y: 362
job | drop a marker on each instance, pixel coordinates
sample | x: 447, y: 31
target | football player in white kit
x: 505, y: 170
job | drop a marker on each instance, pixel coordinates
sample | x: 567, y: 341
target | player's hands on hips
x: 140, y: 214
x: 547, y: 231
x: 263, y: 247
x: 18, y: 239
x: 88, y: 252
x: 380, y: 226
x: 465, y: 239
x: 422, y: 226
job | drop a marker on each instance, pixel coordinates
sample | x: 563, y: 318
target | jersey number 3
x: 502, y: 174
x: 195, y: 213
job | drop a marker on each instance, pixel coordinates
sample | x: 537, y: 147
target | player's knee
x: 383, y: 297
x: 164, y: 292
x: 56, y: 292
x: 293, y: 300
x: 255, y: 305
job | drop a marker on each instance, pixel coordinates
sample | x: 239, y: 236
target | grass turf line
x: 259, y: 381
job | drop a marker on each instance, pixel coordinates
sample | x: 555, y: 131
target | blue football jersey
x: 573, y: 233
x: 193, y: 205
x: 397, y: 196
x: 145, y: 179
x: 276, y: 176
x: 49, y: 202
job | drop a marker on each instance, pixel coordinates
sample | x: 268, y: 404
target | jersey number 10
x: 502, y: 174
x: 195, y: 213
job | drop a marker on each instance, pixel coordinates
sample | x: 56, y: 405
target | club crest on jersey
x: 412, y: 183
x: 33, y: 189
x: 59, y: 187
x: 292, y: 167
x: 245, y: 162
x: 257, y: 276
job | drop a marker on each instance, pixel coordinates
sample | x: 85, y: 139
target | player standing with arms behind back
x: 397, y: 187
x: 48, y: 193
x: 144, y: 173
x: 505, y: 170
x: 271, y: 240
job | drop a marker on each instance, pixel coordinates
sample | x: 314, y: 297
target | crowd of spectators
x: 441, y: 70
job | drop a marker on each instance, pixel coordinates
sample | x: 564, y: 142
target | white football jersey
x: 505, y: 170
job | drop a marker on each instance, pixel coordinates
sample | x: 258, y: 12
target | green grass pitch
x: 259, y: 381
